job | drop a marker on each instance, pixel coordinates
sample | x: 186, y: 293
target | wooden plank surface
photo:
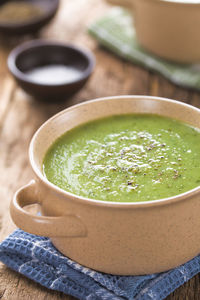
x: 20, y: 116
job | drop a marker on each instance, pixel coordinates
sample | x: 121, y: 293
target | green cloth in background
x: 115, y: 32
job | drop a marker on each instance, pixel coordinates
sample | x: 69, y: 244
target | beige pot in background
x: 117, y: 238
x: 167, y: 28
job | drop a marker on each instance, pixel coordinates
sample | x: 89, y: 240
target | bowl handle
x: 62, y: 226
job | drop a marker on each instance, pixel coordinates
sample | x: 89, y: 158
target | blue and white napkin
x: 35, y: 257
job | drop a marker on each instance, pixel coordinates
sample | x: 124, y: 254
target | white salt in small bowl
x: 49, y: 70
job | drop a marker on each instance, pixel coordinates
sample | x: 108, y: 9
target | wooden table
x: 20, y: 116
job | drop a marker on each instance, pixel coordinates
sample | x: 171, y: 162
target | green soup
x: 126, y: 158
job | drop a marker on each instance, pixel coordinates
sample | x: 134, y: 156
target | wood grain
x: 20, y: 116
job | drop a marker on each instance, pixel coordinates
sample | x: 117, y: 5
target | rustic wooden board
x: 20, y: 116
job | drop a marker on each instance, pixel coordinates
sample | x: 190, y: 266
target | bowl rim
x: 39, y: 43
x: 45, y: 16
x: 121, y: 205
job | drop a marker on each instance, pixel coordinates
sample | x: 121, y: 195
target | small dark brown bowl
x: 42, y: 53
x: 49, y: 9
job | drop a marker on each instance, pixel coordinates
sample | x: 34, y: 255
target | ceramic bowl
x: 167, y: 28
x: 42, y: 53
x: 49, y: 9
x: 116, y: 238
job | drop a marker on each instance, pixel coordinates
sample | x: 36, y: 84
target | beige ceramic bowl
x: 168, y: 28
x: 117, y: 238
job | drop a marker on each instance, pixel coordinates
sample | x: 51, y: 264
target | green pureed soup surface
x: 126, y: 158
